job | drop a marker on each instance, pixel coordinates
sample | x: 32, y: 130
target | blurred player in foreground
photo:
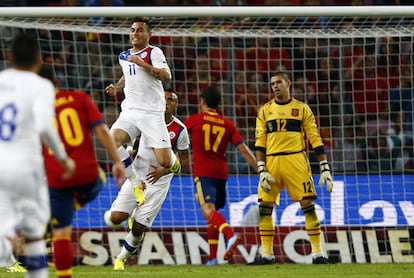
x: 26, y: 119
x: 77, y: 117
x: 157, y: 181
x: 210, y: 134
x: 14, y: 265
x: 144, y: 69
x: 281, y: 126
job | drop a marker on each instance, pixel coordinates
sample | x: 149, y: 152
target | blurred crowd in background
x: 360, y: 88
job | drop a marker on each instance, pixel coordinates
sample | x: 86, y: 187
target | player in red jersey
x: 76, y: 117
x: 210, y: 134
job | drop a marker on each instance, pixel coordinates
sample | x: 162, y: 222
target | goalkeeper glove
x: 265, y: 179
x: 326, y: 176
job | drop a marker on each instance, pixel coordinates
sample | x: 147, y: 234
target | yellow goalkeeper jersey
x: 281, y: 128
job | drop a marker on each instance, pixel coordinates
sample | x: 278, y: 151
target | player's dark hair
x: 24, y: 50
x: 211, y: 96
x: 47, y: 71
x: 282, y: 74
x: 170, y: 89
x: 143, y: 19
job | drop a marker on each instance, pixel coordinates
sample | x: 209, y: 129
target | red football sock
x: 213, y: 239
x: 218, y: 220
x: 63, y: 256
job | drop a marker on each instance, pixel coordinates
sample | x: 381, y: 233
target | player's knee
x: 119, y: 217
x: 120, y: 136
x: 206, y: 215
x: 308, y: 209
x: 115, y: 219
x: 165, y: 157
x: 265, y: 210
x: 207, y: 209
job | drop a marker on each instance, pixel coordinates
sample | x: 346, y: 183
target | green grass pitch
x: 241, y: 271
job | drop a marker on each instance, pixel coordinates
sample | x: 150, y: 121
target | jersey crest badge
x: 295, y: 112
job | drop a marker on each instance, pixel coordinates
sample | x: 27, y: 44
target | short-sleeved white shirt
x: 142, y: 90
x: 26, y: 112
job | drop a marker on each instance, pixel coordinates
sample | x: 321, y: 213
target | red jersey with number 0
x: 76, y: 116
x: 210, y: 134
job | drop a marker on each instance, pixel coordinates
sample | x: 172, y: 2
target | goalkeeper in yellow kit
x: 281, y: 126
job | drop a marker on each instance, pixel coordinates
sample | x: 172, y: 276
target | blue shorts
x: 210, y: 190
x: 64, y: 202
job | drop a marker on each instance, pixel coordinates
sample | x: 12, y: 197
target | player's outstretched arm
x: 247, y: 155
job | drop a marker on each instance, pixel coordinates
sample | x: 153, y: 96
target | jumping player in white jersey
x: 144, y: 68
x: 26, y: 119
x: 157, y: 180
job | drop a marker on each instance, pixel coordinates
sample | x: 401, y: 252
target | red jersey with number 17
x: 76, y: 116
x: 210, y: 134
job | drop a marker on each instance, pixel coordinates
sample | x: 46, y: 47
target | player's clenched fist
x: 265, y: 178
x: 110, y: 89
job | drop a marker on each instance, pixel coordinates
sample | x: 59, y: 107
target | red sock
x: 63, y: 256
x: 213, y: 239
x: 218, y: 220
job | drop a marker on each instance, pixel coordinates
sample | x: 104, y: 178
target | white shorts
x: 155, y: 195
x: 150, y: 124
x: 24, y: 199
